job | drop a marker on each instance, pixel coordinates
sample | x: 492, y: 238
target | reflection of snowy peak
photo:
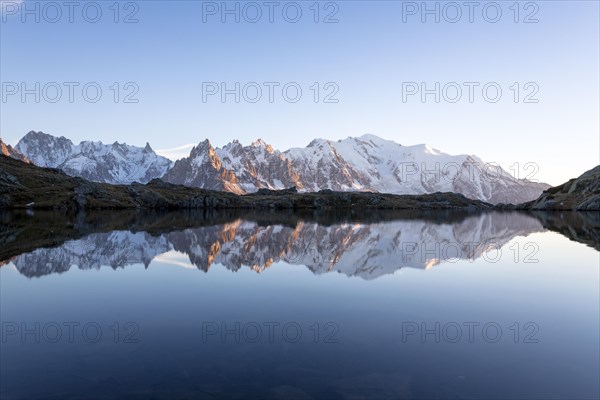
x: 116, y: 163
x: 364, y: 250
x: 366, y: 163
x: 115, y: 249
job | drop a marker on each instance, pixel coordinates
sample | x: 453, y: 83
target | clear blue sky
x: 367, y: 54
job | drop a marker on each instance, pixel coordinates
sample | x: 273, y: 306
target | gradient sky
x: 368, y: 54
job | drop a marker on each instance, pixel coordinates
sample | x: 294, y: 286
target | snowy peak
x: 45, y: 150
x: 258, y: 143
x: 234, y: 149
x: 203, y: 168
x: 318, y: 143
x: 118, y: 163
x: 203, y: 150
x: 203, y: 145
x: 234, y: 167
x: 373, y: 140
x: 261, y: 144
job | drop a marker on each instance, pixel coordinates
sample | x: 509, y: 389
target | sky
x: 173, y: 73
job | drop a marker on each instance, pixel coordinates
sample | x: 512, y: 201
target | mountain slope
x: 117, y: 163
x: 9, y: 151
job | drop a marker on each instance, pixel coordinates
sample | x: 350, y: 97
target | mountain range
x: 366, y: 163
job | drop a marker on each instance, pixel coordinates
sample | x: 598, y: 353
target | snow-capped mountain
x: 365, y: 250
x: 366, y: 163
x: 235, y: 168
x: 9, y: 151
x: 117, y: 163
x: 258, y: 166
x: 203, y: 168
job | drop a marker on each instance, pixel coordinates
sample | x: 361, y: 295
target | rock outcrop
x: 581, y: 194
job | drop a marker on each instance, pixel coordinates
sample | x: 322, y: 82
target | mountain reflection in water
x: 361, y: 246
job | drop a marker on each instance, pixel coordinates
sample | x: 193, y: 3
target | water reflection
x: 359, y: 246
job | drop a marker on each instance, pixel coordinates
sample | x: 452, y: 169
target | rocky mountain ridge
x: 9, y: 151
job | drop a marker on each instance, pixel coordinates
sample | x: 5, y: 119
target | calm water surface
x: 188, y: 305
